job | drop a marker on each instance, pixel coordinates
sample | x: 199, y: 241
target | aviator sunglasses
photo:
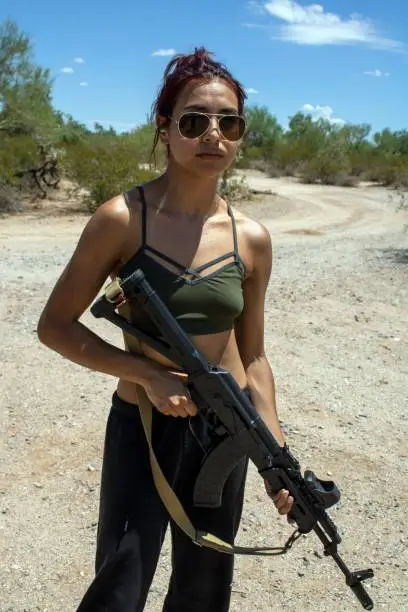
x: 195, y: 124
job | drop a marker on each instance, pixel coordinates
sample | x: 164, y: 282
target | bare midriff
x: 220, y: 349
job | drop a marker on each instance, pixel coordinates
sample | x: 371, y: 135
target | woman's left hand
x: 282, y: 500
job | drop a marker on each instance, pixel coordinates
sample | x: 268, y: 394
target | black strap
x: 234, y: 232
x: 208, y: 264
x: 144, y: 214
x: 193, y: 272
x: 170, y: 260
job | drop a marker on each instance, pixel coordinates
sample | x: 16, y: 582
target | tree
x: 263, y: 128
x: 29, y: 126
x: 39, y: 144
x: 262, y: 135
x: 25, y: 88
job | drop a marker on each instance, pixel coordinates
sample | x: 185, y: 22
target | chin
x: 209, y: 167
x: 204, y: 167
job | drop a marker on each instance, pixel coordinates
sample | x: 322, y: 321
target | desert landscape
x: 336, y: 337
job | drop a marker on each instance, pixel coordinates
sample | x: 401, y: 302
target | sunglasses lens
x: 193, y: 125
x: 232, y: 127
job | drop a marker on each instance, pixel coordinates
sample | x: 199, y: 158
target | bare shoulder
x: 111, y: 224
x: 103, y: 240
x: 114, y: 214
x: 252, y: 234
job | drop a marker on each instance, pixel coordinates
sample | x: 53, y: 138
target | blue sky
x: 340, y: 59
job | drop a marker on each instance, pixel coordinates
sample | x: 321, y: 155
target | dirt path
x: 307, y: 208
x: 336, y: 321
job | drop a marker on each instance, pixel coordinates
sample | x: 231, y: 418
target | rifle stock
x: 215, y: 391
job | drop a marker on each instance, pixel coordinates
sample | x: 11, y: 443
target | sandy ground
x: 336, y: 336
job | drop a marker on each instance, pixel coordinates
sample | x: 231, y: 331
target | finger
x: 278, y: 496
x: 281, y: 499
x: 291, y: 501
x: 275, y: 496
x: 189, y: 407
x: 286, y: 508
x: 177, y: 405
x: 168, y: 411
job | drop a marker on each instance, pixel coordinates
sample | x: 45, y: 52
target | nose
x: 213, y: 133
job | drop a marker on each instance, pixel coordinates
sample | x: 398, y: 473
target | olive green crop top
x: 205, y: 304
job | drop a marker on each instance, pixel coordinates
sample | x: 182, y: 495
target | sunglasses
x: 195, y: 124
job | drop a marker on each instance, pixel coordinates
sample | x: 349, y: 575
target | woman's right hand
x: 167, y: 391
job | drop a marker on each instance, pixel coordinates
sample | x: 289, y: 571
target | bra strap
x: 144, y: 214
x: 234, y: 232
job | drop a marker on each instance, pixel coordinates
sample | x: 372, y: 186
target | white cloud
x: 83, y: 84
x: 79, y: 60
x: 376, y: 73
x: 322, y: 112
x: 251, y: 90
x: 312, y: 25
x: 256, y: 7
x: 67, y: 69
x: 164, y: 52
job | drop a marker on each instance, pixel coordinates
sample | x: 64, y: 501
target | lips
x: 215, y: 154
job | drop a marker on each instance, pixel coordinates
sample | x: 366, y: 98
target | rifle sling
x: 170, y: 499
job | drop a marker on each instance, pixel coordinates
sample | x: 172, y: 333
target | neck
x: 185, y: 194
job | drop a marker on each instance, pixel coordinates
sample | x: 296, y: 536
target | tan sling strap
x: 166, y: 493
x: 176, y: 510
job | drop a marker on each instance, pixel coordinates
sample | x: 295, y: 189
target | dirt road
x: 336, y: 336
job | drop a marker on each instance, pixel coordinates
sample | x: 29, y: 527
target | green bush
x: 104, y: 167
x: 10, y: 199
x: 17, y: 154
x: 232, y: 188
x: 389, y: 171
x: 327, y: 171
x: 39, y: 144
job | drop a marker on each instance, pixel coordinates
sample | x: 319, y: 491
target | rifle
x: 242, y: 433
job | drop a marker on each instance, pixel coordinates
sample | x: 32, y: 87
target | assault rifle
x: 242, y: 431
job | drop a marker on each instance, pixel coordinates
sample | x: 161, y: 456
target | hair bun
x: 202, y: 55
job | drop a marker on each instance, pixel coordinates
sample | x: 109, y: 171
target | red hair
x: 183, y: 68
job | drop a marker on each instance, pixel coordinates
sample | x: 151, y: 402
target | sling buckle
x: 114, y: 293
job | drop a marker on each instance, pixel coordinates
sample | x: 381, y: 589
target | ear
x: 162, y: 128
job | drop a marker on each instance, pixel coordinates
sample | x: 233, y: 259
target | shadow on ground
x: 399, y: 256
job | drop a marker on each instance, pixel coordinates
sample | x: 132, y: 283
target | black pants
x: 129, y: 503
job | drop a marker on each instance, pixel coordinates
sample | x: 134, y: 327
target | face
x: 211, y: 153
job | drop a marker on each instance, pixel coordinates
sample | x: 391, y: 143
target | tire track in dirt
x: 316, y: 209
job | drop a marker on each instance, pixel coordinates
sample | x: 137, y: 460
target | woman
x: 211, y: 266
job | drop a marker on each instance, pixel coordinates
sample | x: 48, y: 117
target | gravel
x: 336, y: 337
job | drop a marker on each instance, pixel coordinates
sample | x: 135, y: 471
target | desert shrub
x: 389, y: 171
x: 233, y: 188
x: 330, y: 165
x: 10, y: 199
x: 104, y: 166
x: 40, y: 145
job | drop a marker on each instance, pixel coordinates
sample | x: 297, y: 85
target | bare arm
x: 97, y: 253
x: 250, y: 332
x: 250, y: 337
